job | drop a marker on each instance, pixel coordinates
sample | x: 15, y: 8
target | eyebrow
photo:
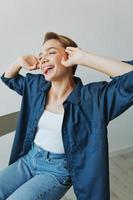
x: 51, y: 48
x: 48, y: 50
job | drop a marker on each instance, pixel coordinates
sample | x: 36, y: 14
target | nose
x: 44, y: 59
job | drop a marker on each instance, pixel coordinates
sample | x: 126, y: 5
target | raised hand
x: 29, y: 62
x: 75, y: 56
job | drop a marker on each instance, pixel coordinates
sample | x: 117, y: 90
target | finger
x: 38, y: 66
x: 70, y: 48
x: 69, y: 52
x: 35, y: 66
x: 32, y: 67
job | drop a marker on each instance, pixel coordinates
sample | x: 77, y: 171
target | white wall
x: 103, y: 27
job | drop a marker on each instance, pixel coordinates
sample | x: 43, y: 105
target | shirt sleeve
x: 128, y: 62
x: 16, y: 83
x: 116, y: 96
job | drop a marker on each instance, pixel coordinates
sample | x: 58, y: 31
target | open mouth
x: 48, y: 69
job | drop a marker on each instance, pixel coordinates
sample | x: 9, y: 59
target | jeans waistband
x: 47, y: 153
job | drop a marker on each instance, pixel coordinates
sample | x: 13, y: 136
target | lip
x: 46, y: 68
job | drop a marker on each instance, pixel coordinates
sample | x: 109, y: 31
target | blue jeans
x: 35, y: 176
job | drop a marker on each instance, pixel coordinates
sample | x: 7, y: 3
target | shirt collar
x: 74, y: 96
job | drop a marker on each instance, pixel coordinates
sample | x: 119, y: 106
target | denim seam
x: 43, y: 194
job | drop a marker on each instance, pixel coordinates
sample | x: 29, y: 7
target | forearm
x: 106, y: 65
x: 12, y: 71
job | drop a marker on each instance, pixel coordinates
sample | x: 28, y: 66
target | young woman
x: 61, y: 136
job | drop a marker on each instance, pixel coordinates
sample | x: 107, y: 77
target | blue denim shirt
x: 87, y: 112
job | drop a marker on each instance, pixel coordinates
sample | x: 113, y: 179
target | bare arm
x: 12, y: 71
x: 28, y: 62
x: 108, y: 66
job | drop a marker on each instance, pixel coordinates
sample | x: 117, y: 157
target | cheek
x: 57, y: 60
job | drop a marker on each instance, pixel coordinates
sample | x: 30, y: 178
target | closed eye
x: 52, y: 52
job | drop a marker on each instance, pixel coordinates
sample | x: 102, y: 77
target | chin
x: 53, y: 77
x: 49, y: 78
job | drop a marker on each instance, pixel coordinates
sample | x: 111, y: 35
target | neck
x: 61, y: 88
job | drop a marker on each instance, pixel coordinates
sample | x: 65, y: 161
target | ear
x: 67, y: 55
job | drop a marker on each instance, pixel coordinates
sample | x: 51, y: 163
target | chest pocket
x: 92, y: 136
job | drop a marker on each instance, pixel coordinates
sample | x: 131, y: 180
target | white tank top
x: 49, y: 133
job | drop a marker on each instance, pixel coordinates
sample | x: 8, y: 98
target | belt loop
x: 47, y: 156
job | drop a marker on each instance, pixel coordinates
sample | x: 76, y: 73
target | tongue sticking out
x: 47, y: 70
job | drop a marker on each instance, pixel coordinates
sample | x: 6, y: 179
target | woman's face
x: 50, y: 60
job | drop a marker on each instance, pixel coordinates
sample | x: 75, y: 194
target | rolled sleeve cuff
x: 5, y: 79
x: 125, y: 80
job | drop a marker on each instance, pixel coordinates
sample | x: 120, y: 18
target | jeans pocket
x: 59, y: 164
x: 54, y: 160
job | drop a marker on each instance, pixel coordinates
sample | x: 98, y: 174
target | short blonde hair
x: 65, y: 42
